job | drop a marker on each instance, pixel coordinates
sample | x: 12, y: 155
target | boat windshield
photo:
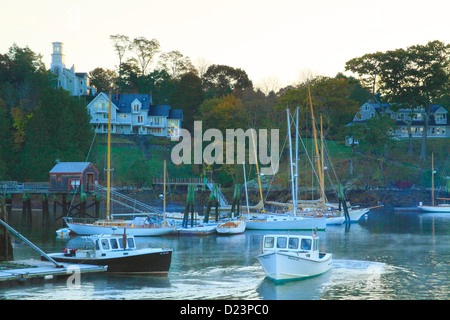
x: 306, y: 244
x: 268, y: 242
x: 281, y: 242
x: 114, y: 244
x: 129, y: 245
x: 293, y: 243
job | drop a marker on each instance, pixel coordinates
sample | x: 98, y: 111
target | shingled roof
x: 70, y: 167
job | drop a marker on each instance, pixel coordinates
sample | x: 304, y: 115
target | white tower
x: 58, y: 63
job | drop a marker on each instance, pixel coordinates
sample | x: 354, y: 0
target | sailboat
x: 139, y: 226
x: 291, y: 220
x: 333, y: 212
x: 444, y: 207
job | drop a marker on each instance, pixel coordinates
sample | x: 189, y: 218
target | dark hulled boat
x: 120, y: 254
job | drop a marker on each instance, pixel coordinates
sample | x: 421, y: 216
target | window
x: 130, y: 242
x: 293, y: 243
x: 114, y: 244
x: 306, y: 244
x: 74, y: 184
x: 135, y: 107
x: 268, y: 242
x: 105, y: 244
x: 281, y: 242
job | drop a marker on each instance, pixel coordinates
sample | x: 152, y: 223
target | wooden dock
x: 35, y: 271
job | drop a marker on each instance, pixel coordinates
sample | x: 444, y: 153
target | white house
x: 75, y: 82
x: 438, y: 124
x: 134, y: 114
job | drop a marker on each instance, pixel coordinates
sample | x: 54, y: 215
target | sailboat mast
x: 322, y: 183
x: 290, y: 156
x: 164, y: 199
x: 296, y: 158
x: 246, y: 192
x: 257, y: 169
x: 432, y: 179
x: 319, y: 170
x: 108, y: 169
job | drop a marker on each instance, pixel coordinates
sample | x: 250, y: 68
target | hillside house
x: 134, y: 114
x: 438, y: 124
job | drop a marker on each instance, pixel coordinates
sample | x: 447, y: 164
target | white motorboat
x: 119, y: 253
x: 63, y: 233
x: 293, y: 257
x: 231, y: 227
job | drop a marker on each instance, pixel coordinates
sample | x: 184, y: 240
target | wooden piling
x: 6, y: 250
x: 45, y: 211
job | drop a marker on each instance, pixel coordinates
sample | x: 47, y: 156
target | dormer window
x: 136, y: 107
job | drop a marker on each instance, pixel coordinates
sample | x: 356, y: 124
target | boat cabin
x: 291, y: 243
x: 102, y: 246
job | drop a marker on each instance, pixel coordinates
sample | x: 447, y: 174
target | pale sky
x: 282, y: 39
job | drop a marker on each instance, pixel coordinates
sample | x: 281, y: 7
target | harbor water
x: 388, y: 255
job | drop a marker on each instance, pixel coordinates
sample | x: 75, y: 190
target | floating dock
x: 35, y: 271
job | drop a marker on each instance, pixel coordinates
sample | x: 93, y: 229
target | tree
x: 414, y: 76
x: 175, y: 64
x: 6, y: 154
x: 59, y: 129
x: 145, y: 51
x: 221, y: 80
x: 223, y: 113
x: 368, y: 66
x: 330, y: 98
x: 188, y: 95
x: 104, y: 80
x: 129, y: 78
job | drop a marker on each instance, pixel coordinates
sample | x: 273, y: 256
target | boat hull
x: 287, y: 223
x: 156, y: 262
x: 231, y: 227
x: 356, y: 214
x: 335, y: 220
x: 91, y: 229
x: 441, y: 208
x: 197, y: 230
x: 285, y: 266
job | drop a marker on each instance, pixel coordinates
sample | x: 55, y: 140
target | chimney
x: 117, y: 94
x: 150, y: 98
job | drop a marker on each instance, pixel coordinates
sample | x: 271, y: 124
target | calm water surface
x: 388, y: 255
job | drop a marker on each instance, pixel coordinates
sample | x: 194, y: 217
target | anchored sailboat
x: 291, y: 220
x: 444, y: 207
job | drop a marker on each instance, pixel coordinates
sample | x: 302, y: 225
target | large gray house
x: 438, y: 124
x: 134, y: 114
